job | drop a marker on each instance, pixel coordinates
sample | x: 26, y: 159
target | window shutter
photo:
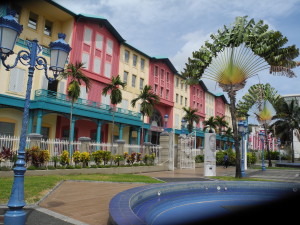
x: 44, y: 82
x: 61, y: 87
x: 16, y: 83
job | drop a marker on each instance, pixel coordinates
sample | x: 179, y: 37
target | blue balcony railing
x: 59, y: 98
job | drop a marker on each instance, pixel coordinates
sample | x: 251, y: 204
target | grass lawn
x: 37, y: 186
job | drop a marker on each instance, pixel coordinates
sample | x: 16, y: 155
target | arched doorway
x: 156, y: 127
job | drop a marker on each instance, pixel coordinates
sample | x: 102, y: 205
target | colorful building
x: 105, y: 54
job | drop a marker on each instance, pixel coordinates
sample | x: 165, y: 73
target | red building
x: 220, y: 101
x: 197, y: 100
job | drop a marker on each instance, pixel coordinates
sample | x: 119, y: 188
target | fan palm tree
x: 76, y: 76
x: 210, y: 124
x: 287, y: 121
x: 148, y: 100
x: 237, y: 53
x: 191, y: 117
x: 115, y: 98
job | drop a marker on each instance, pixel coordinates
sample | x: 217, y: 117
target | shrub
x: 220, y: 157
x: 149, y: 159
x: 6, y: 154
x: 55, y: 159
x: 76, y: 157
x: 37, y: 157
x: 51, y: 167
x: 251, y: 158
x: 106, y: 157
x: 199, y: 158
x: 138, y: 157
x: 64, y: 158
x: 85, y: 158
x: 117, y: 159
x: 98, y: 156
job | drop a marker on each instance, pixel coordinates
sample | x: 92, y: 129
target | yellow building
x: 134, y: 71
x: 181, y: 99
x: 209, y: 105
x: 43, y: 25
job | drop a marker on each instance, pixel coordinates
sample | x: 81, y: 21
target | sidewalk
x: 86, y: 202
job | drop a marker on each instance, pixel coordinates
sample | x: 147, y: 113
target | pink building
x: 197, y: 100
x: 220, y: 101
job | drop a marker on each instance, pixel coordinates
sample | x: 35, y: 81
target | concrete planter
x: 113, y: 170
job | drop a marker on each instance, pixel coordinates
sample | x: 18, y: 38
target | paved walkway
x: 81, y: 203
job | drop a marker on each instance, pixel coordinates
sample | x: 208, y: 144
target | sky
x: 176, y: 28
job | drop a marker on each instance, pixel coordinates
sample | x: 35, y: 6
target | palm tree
x: 115, y: 98
x: 239, y: 52
x: 191, y: 117
x: 228, y: 134
x: 287, y: 121
x: 210, y: 124
x: 221, y: 123
x: 77, y: 77
x: 148, y: 100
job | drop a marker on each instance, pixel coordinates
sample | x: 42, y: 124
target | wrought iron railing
x: 56, y: 97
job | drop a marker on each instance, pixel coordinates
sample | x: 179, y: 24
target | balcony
x: 85, y: 106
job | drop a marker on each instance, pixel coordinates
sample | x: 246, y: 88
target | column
x: 98, y: 136
x: 121, y: 131
x: 146, y: 135
x: 39, y: 122
x: 30, y: 122
x: 130, y: 135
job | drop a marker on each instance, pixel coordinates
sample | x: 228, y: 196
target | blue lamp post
x: 9, y: 32
x: 262, y: 138
x: 243, y: 129
x: 166, y: 118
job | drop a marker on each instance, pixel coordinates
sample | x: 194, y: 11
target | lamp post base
x: 263, y: 168
x: 15, y: 217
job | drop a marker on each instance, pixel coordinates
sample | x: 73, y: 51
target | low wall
x: 113, y: 170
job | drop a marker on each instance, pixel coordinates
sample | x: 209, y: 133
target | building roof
x: 137, y: 50
x: 167, y: 61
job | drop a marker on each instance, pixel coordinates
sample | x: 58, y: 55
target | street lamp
x: 243, y: 129
x: 183, y: 123
x: 262, y: 138
x: 166, y: 118
x: 10, y: 29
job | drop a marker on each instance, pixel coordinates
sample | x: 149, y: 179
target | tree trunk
x: 267, y: 143
x: 238, y: 171
x: 112, y: 129
x: 142, y: 134
x: 70, y: 138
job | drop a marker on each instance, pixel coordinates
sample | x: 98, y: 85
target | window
x: 181, y: 85
x: 125, y: 77
x: 98, y: 53
x: 176, y: 121
x: 185, y: 87
x: 168, y: 78
x: 181, y: 100
x: 109, y: 47
x: 99, y: 41
x: 134, y: 60
x: 155, y: 88
x: 162, y: 73
x: 7, y: 128
x: 156, y: 71
x: 167, y: 94
x: 133, y: 80
x: 177, y: 82
x: 142, y: 64
x: 124, y: 104
x: 48, y: 27
x: 105, y: 99
x: 176, y: 98
x: 185, y: 102
x: 83, y: 93
x: 16, y: 80
x: 141, y: 83
x: 126, y: 56
x: 86, y: 59
x: 33, y: 19
x: 87, y: 37
x: 107, y: 71
x: 161, y: 92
